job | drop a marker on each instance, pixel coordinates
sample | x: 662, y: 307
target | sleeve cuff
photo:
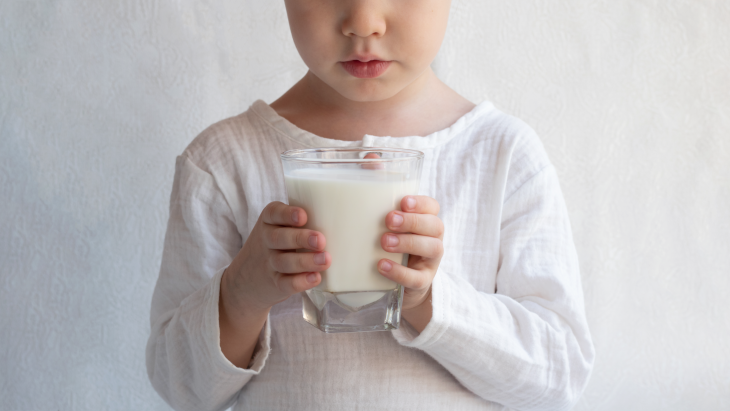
x: 441, y: 293
x: 213, y: 340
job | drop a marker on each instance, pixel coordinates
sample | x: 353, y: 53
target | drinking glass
x: 346, y: 197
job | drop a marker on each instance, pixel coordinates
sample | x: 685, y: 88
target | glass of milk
x: 346, y: 197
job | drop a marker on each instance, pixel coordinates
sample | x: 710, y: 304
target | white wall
x: 631, y: 98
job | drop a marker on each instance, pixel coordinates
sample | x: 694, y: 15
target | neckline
x: 311, y: 140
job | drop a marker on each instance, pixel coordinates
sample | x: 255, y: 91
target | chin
x: 367, y: 92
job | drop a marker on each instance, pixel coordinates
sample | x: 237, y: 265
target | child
x: 493, y: 313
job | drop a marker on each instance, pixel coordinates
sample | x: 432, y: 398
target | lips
x: 365, y: 69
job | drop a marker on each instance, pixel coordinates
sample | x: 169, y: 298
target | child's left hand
x: 422, y: 238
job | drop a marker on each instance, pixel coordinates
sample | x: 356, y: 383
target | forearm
x: 240, y: 326
x: 520, y: 354
x: 184, y: 360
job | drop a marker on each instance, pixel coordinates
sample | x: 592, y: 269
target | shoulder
x: 234, y: 141
x: 513, y: 136
x: 511, y: 145
x: 233, y: 151
x: 219, y: 141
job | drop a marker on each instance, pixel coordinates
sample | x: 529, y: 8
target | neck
x: 424, y: 106
x: 323, y: 97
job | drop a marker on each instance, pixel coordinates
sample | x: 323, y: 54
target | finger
x: 413, y: 244
x: 291, y: 262
x: 285, y: 238
x: 278, y: 213
x: 420, y: 205
x: 296, y: 283
x: 375, y: 165
x: 407, y: 277
x: 423, y: 224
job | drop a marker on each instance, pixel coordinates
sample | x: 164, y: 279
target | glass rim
x: 292, y: 155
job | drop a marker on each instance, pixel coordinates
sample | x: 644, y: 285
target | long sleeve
x: 184, y: 360
x: 527, y: 346
x: 508, y: 327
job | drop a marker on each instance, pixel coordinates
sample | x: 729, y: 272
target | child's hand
x: 423, y: 241
x: 268, y: 269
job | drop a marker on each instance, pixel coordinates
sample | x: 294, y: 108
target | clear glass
x: 346, y: 197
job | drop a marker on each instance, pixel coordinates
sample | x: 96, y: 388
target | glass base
x: 354, y: 311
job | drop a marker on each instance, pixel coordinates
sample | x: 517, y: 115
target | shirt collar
x: 289, y: 130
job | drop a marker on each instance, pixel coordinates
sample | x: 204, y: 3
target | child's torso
x: 308, y: 369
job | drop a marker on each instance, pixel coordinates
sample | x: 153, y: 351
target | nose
x: 364, y: 18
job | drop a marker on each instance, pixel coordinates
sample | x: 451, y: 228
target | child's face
x: 407, y: 33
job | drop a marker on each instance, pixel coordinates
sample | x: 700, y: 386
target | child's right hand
x: 268, y: 269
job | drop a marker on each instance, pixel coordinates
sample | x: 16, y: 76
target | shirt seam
x: 525, y: 182
x: 217, y: 187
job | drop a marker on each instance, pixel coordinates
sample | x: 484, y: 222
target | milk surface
x: 349, y: 208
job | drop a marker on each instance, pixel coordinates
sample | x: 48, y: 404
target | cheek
x: 315, y: 41
x: 418, y: 36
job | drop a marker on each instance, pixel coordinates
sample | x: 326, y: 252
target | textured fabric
x: 508, y: 327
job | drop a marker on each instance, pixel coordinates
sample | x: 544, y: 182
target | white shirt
x: 508, y: 328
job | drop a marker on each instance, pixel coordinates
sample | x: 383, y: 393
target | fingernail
x: 411, y: 203
x: 312, y: 277
x: 386, y: 266
x: 397, y: 220
x: 319, y: 258
x: 295, y: 216
x: 392, y: 240
x: 313, y: 241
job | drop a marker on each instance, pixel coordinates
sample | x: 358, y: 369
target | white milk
x: 349, y: 208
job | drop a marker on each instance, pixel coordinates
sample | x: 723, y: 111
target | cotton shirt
x: 508, y: 329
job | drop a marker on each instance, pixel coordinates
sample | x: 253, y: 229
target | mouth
x: 365, y: 69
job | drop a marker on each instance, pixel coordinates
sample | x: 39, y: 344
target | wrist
x: 234, y: 300
x: 420, y: 315
x: 424, y: 301
x: 240, y: 323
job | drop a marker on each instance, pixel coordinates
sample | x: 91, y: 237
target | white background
x: 631, y: 98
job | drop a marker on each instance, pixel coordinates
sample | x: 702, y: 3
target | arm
x: 184, y: 359
x: 528, y: 346
x: 206, y: 331
x: 240, y: 324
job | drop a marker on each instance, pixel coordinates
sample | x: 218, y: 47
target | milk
x: 349, y: 207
